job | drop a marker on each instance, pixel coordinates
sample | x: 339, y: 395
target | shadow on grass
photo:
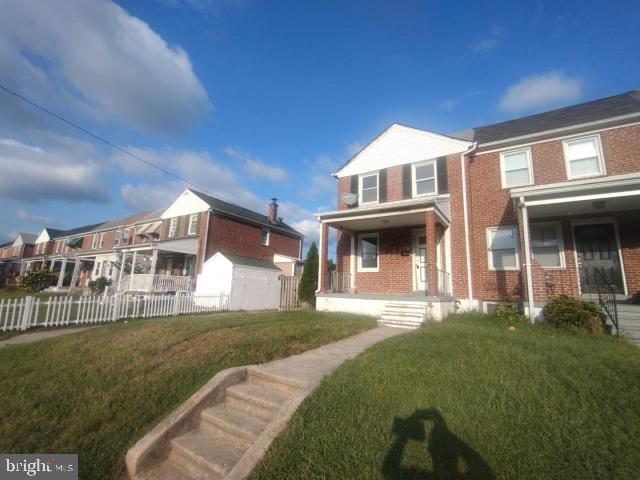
x: 451, y: 458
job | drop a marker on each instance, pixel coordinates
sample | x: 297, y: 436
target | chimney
x: 273, y: 210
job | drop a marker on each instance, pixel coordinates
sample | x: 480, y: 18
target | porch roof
x: 594, y: 195
x: 402, y: 213
x: 182, y: 245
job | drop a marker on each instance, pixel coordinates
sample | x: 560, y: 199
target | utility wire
x: 109, y: 143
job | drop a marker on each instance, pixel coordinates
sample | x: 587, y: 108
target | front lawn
x: 96, y: 393
x: 469, y: 398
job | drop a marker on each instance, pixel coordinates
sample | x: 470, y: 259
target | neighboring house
x: 161, y: 250
x: 432, y: 219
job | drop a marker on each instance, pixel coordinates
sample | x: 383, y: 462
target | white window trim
x: 193, y: 220
x: 266, y: 242
x: 601, y: 162
x: 94, y: 242
x: 558, y: 226
x: 517, y: 248
x: 173, y: 227
x: 101, y: 241
x: 360, y: 179
x: 414, y: 193
x: 529, y: 165
x: 360, y: 238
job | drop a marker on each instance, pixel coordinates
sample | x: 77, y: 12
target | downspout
x: 527, y: 257
x: 465, y: 212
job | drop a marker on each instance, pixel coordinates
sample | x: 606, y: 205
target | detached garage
x: 251, y: 283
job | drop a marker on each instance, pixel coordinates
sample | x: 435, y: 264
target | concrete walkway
x: 36, y: 336
x: 225, y: 428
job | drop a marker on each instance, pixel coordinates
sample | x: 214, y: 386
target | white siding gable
x: 43, y: 237
x: 186, y: 204
x: 399, y: 145
x: 18, y: 241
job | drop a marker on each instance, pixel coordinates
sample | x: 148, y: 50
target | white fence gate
x: 30, y: 312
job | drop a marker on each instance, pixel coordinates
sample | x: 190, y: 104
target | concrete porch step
x: 242, y: 427
x: 166, y: 471
x: 204, y: 455
x: 256, y: 399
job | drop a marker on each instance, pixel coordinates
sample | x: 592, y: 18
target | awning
x: 149, y: 229
x: 75, y: 242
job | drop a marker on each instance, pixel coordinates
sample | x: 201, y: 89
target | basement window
x: 502, y: 248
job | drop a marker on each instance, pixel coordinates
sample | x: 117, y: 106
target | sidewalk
x: 36, y: 336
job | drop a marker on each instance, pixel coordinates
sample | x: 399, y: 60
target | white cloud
x: 541, y: 90
x: 449, y: 104
x: 26, y: 216
x: 256, y: 167
x: 94, y: 53
x: 66, y: 170
x: 489, y: 43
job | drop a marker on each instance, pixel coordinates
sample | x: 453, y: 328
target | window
x: 193, y: 224
x: 125, y: 236
x: 502, y: 247
x: 583, y: 157
x: 369, y: 188
x: 264, y: 237
x: 110, y: 269
x: 101, y: 241
x: 98, y: 266
x: 546, y: 245
x: 368, y: 245
x: 94, y: 242
x: 424, y: 179
x: 173, y: 227
x: 516, y: 168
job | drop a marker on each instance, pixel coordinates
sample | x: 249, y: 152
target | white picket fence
x: 30, y: 312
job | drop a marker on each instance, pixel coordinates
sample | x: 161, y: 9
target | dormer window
x: 424, y: 178
x: 369, y: 192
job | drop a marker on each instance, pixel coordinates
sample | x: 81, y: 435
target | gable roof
x: 250, y: 262
x: 27, y: 238
x: 399, y: 144
x: 627, y: 103
x: 227, y: 208
x: 5, y: 244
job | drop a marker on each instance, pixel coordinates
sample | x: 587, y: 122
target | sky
x: 253, y: 99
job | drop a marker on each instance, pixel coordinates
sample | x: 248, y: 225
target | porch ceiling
x: 585, y: 207
x: 379, y: 221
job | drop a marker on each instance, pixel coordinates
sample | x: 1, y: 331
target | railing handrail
x: 608, y: 302
x: 339, y: 281
x: 444, y: 282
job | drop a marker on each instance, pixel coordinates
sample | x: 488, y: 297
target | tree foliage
x: 309, y: 280
x: 38, y: 281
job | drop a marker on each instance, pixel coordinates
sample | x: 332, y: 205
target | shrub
x: 38, y: 281
x: 509, y: 311
x: 99, y: 284
x: 564, y: 311
x: 309, y: 280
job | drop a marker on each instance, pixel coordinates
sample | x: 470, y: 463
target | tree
x: 37, y: 281
x: 331, y: 266
x: 309, y: 280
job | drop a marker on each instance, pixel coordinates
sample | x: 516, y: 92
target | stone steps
x: 403, y: 314
x: 225, y: 431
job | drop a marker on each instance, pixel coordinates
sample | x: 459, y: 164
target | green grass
x: 96, y: 393
x: 20, y: 293
x: 468, y: 398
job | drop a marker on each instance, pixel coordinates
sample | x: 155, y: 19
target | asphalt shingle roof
x: 223, y: 207
x: 603, y: 108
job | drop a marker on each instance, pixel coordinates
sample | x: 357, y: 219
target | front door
x: 598, y: 259
x: 419, y: 261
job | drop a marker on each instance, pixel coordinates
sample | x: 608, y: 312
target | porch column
x: 133, y: 262
x: 527, y: 259
x: 23, y: 267
x: 122, y: 263
x: 63, y: 267
x: 352, y: 262
x: 154, y: 261
x: 323, y: 255
x: 432, y: 257
x: 76, y: 268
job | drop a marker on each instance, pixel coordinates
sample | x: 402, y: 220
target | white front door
x: 419, y: 261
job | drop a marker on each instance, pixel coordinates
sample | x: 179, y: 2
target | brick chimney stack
x: 273, y: 210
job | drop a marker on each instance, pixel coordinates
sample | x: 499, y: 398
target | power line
x: 109, y: 143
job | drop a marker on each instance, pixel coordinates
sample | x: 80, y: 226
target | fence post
x: 116, y: 307
x: 176, y: 304
x: 26, y: 313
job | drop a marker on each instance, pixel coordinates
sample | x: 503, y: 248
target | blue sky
x: 259, y: 99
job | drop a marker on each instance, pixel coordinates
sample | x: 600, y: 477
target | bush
x: 38, y: 281
x: 98, y: 285
x: 564, y: 311
x: 309, y: 280
x: 509, y: 311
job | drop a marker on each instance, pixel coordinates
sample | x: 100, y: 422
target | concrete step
x: 259, y: 400
x: 411, y: 316
x: 204, y: 455
x: 166, y: 471
x: 240, y: 426
x: 398, y: 325
x: 276, y: 382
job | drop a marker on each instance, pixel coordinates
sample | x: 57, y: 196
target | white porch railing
x: 339, y: 282
x: 171, y: 283
x: 146, y: 282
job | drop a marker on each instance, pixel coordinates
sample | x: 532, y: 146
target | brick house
x: 157, y: 251
x: 524, y: 209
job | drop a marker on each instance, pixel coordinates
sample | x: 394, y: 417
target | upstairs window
x: 264, y: 237
x: 502, y: 248
x: 193, y: 224
x: 546, y: 245
x: 94, y: 242
x: 583, y: 157
x: 369, y: 188
x: 516, y: 169
x: 101, y: 240
x: 173, y: 227
x: 368, y: 245
x: 424, y: 178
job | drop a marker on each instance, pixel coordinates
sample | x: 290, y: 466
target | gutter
x: 467, y: 247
